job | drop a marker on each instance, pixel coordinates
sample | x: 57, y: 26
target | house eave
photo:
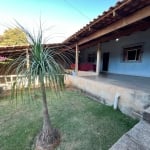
x: 125, y: 13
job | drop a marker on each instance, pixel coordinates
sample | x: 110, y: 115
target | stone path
x: 138, y: 138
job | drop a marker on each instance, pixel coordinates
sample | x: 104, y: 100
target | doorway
x: 105, y: 61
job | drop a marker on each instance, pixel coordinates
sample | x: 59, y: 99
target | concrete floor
x: 131, y: 82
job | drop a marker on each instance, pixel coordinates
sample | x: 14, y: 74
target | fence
x: 6, y: 81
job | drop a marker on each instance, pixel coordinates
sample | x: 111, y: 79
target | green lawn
x: 84, y: 124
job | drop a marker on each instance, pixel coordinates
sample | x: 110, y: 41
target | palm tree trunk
x: 48, y: 138
x: 46, y: 117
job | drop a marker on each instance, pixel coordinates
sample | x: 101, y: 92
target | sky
x: 60, y: 18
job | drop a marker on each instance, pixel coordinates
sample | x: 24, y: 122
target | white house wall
x: 116, y: 65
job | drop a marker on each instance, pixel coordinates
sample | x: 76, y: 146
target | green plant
x: 84, y: 123
x: 43, y: 64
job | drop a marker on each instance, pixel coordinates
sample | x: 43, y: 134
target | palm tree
x: 44, y: 64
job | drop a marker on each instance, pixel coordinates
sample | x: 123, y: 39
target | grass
x: 84, y: 124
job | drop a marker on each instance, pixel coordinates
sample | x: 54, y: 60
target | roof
x: 8, y: 50
x: 113, y: 14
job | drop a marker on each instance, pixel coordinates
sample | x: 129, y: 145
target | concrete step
x: 146, y: 115
x: 138, y: 138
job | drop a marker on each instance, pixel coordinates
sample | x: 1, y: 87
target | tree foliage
x: 13, y: 36
x: 44, y: 65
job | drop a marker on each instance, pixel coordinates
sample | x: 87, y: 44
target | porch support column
x: 27, y: 57
x: 77, y: 59
x: 98, y: 63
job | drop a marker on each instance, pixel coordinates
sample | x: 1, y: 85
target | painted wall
x: 116, y: 65
x: 84, y: 53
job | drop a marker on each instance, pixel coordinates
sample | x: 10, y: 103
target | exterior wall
x: 131, y: 102
x: 84, y: 53
x: 116, y: 65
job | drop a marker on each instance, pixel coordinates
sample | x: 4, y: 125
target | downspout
x: 116, y: 100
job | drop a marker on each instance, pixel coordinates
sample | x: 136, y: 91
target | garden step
x: 146, y: 115
x: 138, y: 138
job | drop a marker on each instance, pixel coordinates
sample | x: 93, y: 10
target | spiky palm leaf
x: 44, y: 64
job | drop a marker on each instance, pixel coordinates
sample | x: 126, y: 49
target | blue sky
x: 64, y: 17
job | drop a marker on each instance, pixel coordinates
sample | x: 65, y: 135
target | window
x: 92, y: 58
x: 132, y: 54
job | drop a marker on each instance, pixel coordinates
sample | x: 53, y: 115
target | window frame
x: 126, y: 50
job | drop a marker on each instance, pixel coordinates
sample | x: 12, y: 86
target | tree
x: 44, y: 65
x: 13, y: 36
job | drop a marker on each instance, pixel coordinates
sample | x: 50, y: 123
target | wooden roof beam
x: 141, y: 14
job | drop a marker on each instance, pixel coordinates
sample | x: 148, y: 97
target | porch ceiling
x: 126, y: 17
x: 141, y: 25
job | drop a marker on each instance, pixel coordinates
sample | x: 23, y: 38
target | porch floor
x: 131, y: 82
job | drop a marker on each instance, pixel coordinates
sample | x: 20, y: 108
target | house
x: 118, y: 44
x: 116, y: 47
x: 119, y: 38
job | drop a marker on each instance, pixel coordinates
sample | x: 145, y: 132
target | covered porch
x: 116, y: 41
